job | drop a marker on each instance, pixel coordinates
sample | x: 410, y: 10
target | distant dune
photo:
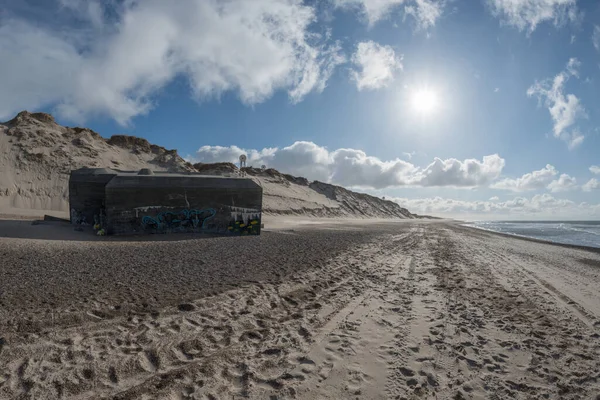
x: 37, y: 155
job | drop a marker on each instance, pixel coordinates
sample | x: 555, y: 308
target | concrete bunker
x: 86, y: 193
x: 134, y: 202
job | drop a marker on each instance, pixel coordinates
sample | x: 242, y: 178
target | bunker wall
x: 86, y: 195
x: 161, y: 204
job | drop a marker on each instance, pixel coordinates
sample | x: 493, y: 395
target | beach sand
x: 335, y: 310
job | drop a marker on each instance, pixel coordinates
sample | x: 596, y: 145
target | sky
x: 473, y: 109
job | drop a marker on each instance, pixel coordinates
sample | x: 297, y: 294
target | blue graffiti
x: 183, y: 219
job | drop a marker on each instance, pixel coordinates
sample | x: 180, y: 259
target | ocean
x: 582, y: 233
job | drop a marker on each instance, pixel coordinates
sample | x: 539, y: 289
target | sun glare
x: 424, y: 101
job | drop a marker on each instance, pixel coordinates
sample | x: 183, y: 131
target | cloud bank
x: 564, y: 183
x: 252, y: 48
x: 354, y: 168
x: 531, y: 181
x: 538, y: 206
x: 537, y: 180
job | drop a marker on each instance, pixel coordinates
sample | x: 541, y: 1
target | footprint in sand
x: 307, y: 365
x: 325, y: 370
x: 406, y: 371
x: 356, y: 379
x: 272, y: 352
x: 431, y: 380
x: 112, y: 375
x: 250, y: 335
x: 87, y: 374
x: 304, y: 333
x: 186, y: 307
x: 189, y: 349
x: 149, y: 360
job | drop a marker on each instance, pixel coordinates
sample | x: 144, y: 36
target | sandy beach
x: 337, y: 310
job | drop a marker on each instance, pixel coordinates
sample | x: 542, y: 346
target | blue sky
x: 468, y: 108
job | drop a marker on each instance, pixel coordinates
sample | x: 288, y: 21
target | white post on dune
x: 242, y: 164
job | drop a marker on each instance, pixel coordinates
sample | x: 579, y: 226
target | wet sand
x: 406, y: 310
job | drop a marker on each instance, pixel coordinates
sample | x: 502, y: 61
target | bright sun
x: 424, y: 101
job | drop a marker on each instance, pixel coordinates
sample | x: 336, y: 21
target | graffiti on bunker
x: 225, y: 219
x: 241, y: 228
x: 244, y: 221
x: 179, y: 220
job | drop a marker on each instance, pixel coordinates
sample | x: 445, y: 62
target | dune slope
x: 37, y: 155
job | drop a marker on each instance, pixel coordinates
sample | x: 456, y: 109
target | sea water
x: 582, y: 233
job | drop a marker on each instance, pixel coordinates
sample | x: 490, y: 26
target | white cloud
x: 536, y: 180
x: 563, y: 184
x: 354, y: 168
x: 595, y: 169
x: 89, y: 10
x: 530, y: 181
x: 573, y: 66
x: 565, y: 110
x: 494, y: 198
x: 467, y: 173
x: 374, y: 10
x: 575, y: 139
x: 592, y: 184
x: 409, y: 155
x: 539, y: 206
x: 528, y: 14
x: 38, y: 70
x: 596, y: 37
x: 213, y: 154
x: 375, y: 65
x: 425, y: 12
x: 250, y: 48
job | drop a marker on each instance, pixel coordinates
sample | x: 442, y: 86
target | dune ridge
x: 37, y: 155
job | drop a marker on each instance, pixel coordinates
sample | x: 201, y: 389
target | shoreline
x: 530, y: 239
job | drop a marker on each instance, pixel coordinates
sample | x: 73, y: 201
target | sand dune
x: 411, y: 309
x: 37, y: 156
